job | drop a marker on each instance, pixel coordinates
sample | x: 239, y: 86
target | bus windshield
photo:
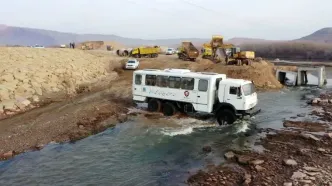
x: 248, y: 89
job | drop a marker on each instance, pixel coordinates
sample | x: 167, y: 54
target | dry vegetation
x: 292, y: 50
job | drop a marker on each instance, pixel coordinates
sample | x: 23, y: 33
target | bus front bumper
x: 252, y: 112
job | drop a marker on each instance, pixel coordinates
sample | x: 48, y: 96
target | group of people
x: 72, y: 45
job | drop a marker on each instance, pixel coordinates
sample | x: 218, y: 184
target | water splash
x: 187, y: 126
x: 175, y: 132
x: 241, y: 126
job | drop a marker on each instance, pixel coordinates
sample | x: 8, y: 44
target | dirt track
x: 72, y: 118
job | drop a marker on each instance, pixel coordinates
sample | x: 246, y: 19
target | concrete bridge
x: 300, y: 77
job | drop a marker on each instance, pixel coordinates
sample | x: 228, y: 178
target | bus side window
x: 174, y: 82
x: 187, y: 83
x: 150, y: 80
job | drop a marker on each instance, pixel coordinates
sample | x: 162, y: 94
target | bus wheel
x: 169, y: 109
x: 154, y: 105
x: 225, y: 117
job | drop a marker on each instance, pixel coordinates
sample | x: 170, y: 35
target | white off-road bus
x: 180, y: 90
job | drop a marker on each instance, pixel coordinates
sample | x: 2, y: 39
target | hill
x: 10, y: 35
x: 322, y: 36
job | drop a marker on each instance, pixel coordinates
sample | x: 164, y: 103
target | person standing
x: 73, y: 45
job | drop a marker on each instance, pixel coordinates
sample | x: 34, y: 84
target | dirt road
x: 67, y: 120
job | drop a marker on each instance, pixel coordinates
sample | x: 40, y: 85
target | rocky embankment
x: 29, y: 75
x: 300, y: 154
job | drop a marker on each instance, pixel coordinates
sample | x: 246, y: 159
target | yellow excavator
x: 218, y: 51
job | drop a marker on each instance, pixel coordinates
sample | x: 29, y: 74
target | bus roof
x: 236, y: 81
x: 180, y: 72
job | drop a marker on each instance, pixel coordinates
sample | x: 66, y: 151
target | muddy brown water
x: 142, y: 151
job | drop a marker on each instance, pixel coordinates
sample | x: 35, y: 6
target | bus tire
x: 225, y: 117
x: 154, y: 105
x: 169, y: 109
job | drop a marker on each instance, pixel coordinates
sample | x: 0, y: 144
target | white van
x: 170, y: 51
x: 180, y: 90
x: 132, y: 64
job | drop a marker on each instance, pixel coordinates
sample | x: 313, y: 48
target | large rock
x: 315, y: 100
x: 311, y: 169
x: 257, y: 162
x: 309, y: 136
x: 8, y: 155
x: 259, y: 168
x: 329, y: 135
x: 324, y: 101
x: 298, y: 175
x: 229, y: 155
x: 244, y: 160
x: 289, y: 162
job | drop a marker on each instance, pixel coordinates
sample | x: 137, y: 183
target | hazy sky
x: 152, y: 19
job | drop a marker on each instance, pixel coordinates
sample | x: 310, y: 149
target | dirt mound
x: 30, y: 73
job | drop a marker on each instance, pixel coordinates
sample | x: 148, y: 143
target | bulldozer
x: 218, y: 51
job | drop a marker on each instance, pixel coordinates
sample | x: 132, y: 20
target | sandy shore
x: 300, y: 154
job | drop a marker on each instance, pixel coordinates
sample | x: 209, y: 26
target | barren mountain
x: 322, y: 36
x: 10, y: 35
x: 29, y: 36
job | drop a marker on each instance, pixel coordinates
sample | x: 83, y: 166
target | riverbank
x: 65, y: 121
x: 299, y: 154
x: 84, y: 95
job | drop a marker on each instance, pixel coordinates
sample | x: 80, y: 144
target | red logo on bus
x: 186, y: 93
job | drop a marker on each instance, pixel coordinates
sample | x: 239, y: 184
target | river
x: 149, y: 152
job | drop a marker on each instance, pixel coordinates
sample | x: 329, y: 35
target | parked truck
x: 139, y: 52
x: 187, y: 51
x: 180, y: 90
x: 150, y: 52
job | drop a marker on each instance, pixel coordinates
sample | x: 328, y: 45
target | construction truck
x: 206, y: 51
x: 150, y: 52
x: 139, y: 52
x: 219, y: 51
x: 187, y: 51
